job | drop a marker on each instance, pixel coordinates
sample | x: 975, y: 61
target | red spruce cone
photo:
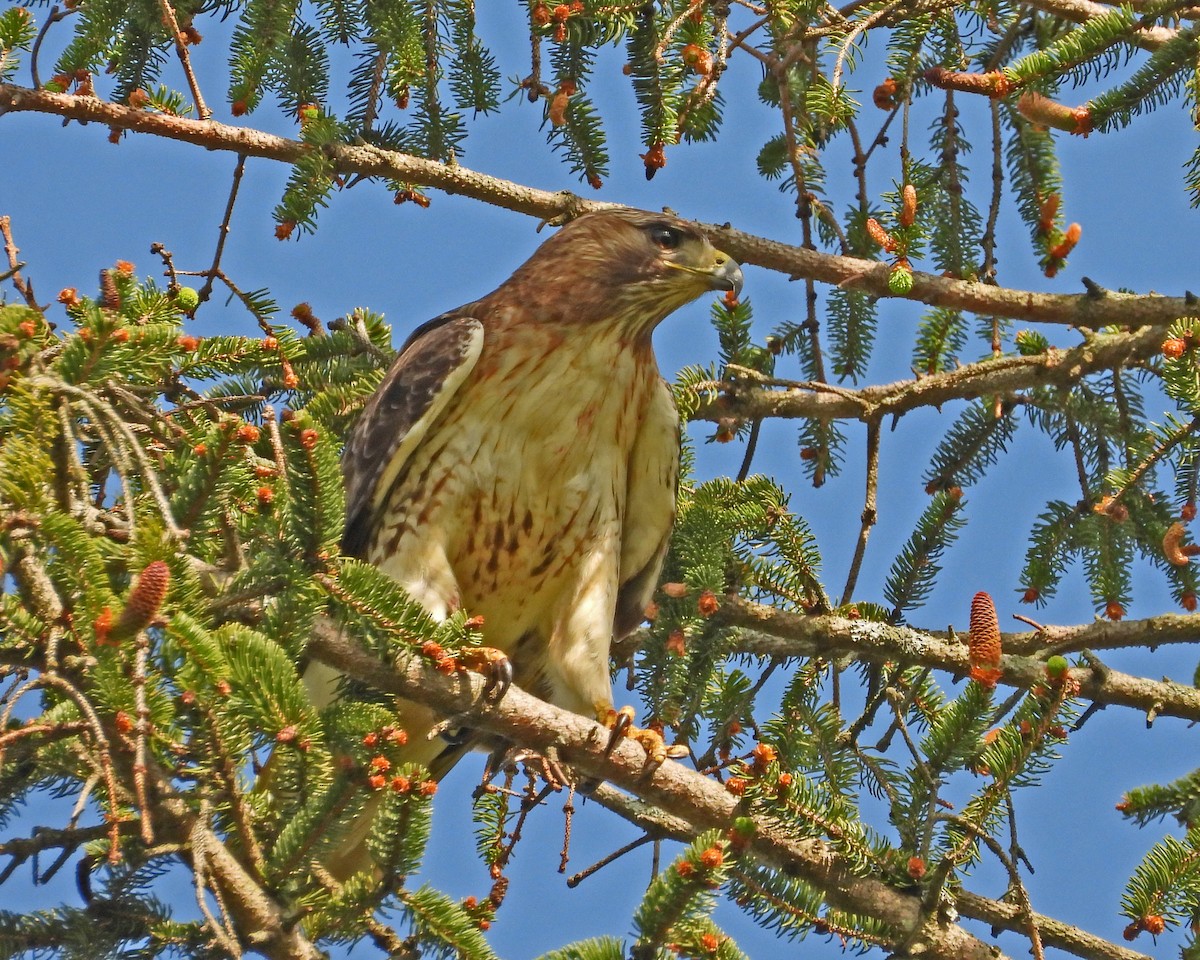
x: 144, y: 600
x: 985, y: 640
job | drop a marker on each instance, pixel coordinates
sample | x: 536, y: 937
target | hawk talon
x: 619, y: 723
x: 495, y: 667
x: 499, y: 680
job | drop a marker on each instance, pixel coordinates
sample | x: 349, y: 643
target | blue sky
x: 79, y: 203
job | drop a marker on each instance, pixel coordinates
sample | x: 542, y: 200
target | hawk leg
x: 494, y: 665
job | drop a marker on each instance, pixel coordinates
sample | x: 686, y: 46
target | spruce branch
x: 1134, y: 476
x: 21, y: 849
x: 776, y: 633
x: 701, y: 802
x: 1004, y: 375
x: 1054, y: 933
x: 870, y: 514
x: 223, y: 231
x: 869, y: 276
x: 202, y: 844
x: 1081, y: 11
x: 266, y: 926
x: 1001, y: 915
x: 1015, y: 885
x: 24, y: 288
x: 185, y: 61
x: 120, y: 437
x: 105, y: 757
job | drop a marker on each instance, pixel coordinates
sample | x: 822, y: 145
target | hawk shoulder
x: 432, y: 365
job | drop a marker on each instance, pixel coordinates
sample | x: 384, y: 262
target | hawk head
x: 629, y: 265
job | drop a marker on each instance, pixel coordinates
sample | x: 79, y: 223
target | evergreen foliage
x: 171, y: 507
x: 916, y: 567
x: 111, y: 441
x: 16, y: 34
x: 226, y: 681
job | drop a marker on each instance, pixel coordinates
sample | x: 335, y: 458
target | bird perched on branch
x: 520, y: 458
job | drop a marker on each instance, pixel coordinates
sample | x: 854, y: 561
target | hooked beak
x: 723, y: 273
x: 726, y: 274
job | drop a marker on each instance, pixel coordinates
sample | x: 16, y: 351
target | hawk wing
x: 432, y: 365
x: 649, y: 509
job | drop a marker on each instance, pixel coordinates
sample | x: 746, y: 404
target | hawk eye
x: 664, y: 237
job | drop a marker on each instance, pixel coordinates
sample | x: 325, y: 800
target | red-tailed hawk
x: 520, y: 458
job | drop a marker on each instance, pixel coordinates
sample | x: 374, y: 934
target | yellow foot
x: 620, y: 722
x: 493, y: 664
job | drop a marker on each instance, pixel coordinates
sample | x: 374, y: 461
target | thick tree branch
x: 1095, y: 309
x: 1150, y: 633
x: 680, y: 792
x: 1055, y: 933
x: 747, y: 400
x: 777, y: 633
x: 1002, y: 916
